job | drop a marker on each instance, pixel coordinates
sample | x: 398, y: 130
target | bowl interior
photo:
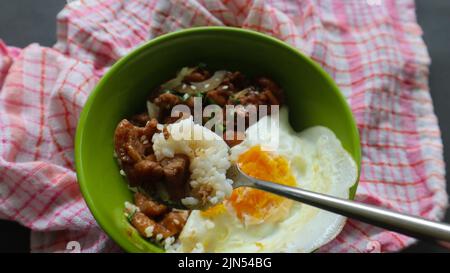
x: 312, y: 97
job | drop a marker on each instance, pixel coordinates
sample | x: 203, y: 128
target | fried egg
x: 251, y: 220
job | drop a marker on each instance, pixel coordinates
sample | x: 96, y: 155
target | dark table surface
x: 26, y: 21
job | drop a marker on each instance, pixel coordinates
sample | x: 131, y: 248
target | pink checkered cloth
x: 373, y: 49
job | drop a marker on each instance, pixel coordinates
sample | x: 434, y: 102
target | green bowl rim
x: 120, y: 240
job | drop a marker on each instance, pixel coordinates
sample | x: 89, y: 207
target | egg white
x: 318, y: 162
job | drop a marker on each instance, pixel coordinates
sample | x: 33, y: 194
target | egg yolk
x: 259, y: 205
x: 213, y: 211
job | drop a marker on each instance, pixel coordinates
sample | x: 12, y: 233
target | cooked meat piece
x: 132, y: 139
x: 150, y: 128
x: 174, y: 221
x: 260, y: 98
x: 140, y: 119
x: 149, y: 170
x: 135, y: 150
x: 151, y: 157
x: 171, y: 224
x: 132, y: 145
x: 148, y: 227
x: 254, y: 97
x: 178, y: 163
x: 268, y: 84
x: 169, y: 119
x: 270, y: 97
x: 176, y: 175
x: 237, y: 138
x: 141, y: 222
x: 148, y: 206
x: 190, y: 102
x: 236, y: 81
x: 198, y: 75
x: 127, y: 143
x: 167, y: 100
x: 218, y: 96
x: 122, y: 136
x: 270, y: 94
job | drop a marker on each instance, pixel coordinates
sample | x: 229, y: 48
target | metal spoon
x: 406, y: 224
x: 377, y: 216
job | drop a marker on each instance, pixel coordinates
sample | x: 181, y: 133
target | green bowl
x: 312, y: 97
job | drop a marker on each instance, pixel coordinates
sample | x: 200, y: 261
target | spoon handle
x: 402, y: 223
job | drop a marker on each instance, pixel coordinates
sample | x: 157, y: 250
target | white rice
x: 208, y: 154
x: 168, y: 242
x: 149, y: 231
x: 130, y: 208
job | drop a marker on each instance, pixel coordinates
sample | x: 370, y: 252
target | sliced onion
x: 242, y: 93
x: 204, y: 86
x: 152, y: 110
x: 238, y: 95
x: 173, y: 83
